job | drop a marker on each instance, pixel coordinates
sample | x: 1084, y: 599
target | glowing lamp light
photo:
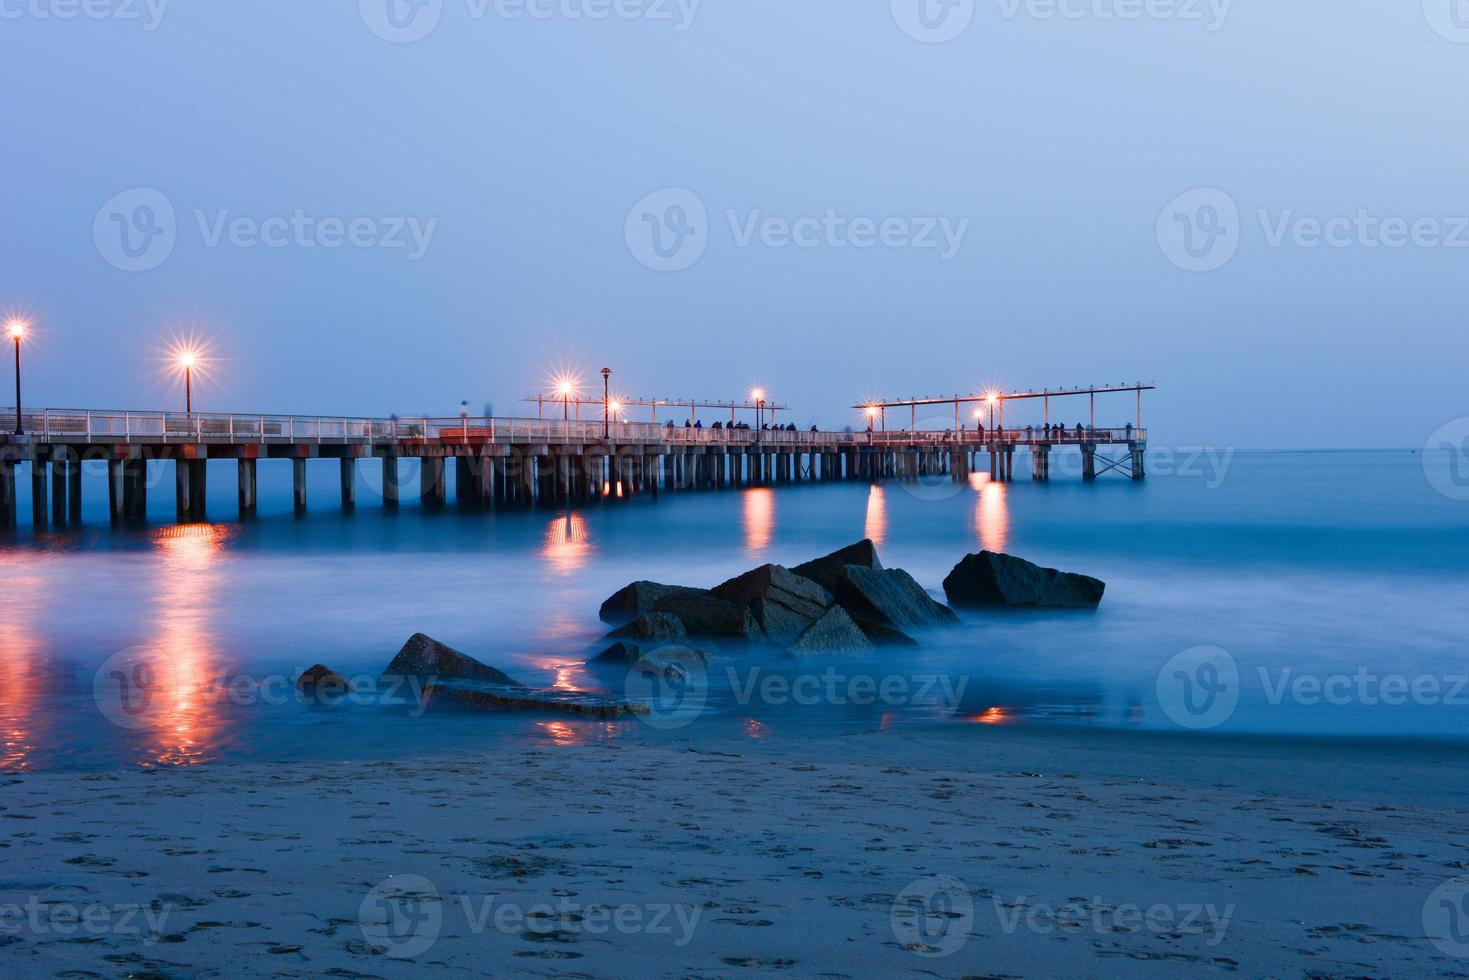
x: 614, y: 407
x: 188, y: 359
x: 992, y: 398
x: 16, y: 329
x: 758, y: 394
x: 871, y: 411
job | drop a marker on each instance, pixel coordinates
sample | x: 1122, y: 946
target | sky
x: 365, y: 207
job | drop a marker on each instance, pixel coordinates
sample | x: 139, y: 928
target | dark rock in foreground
x: 321, y: 681
x: 826, y: 570
x: 834, y: 633
x: 990, y: 579
x: 889, y: 599
x: 463, y: 698
x: 428, y: 659
x: 705, y: 615
x: 784, y: 604
x: 621, y: 652
x: 654, y: 627
x: 631, y: 601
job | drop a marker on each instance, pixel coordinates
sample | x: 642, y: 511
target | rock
x: 834, y: 633
x: 621, y: 652
x: 673, y: 662
x: 991, y: 579
x: 890, y: 599
x: 320, y: 681
x: 631, y: 601
x: 784, y: 604
x: 825, y: 571
x: 705, y: 615
x: 654, y: 627
x: 462, y: 698
x: 428, y: 659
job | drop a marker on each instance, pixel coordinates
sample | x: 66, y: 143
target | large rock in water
x: 428, y: 659
x: 784, y: 604
x: 705, y: 615
x: 834, y: 633
x: 655, y: 627
x: 631, y: 601
x: 889, y: 599
x: 320, y: 681
x: 825, y: 571
x: 991, y: 579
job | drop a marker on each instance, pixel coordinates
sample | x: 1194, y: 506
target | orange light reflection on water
x: 759, y: 519
x: 992, y: 516
x: 20, y: 654
x: 582, y: 732
x: 567, y: 544
x: 186, y: 714
x: 876, y: 527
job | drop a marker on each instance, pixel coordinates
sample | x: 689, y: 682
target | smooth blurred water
x: 1322, y: 564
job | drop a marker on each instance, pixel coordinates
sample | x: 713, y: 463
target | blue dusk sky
x: 389, y: 206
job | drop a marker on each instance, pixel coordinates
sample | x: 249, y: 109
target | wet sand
x: 997, y: 853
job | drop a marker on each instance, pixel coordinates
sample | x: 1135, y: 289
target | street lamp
x: 17, y: 330
x: 757, y: 395
x: 606, y: 403
x: 992, y: 399
x: 565, y: 392
x: 187, y: 360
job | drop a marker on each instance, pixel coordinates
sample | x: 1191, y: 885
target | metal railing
x: 72, y: 426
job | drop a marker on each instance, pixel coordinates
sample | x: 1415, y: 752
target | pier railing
x: 73, y: 426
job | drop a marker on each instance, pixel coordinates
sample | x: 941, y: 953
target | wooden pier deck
x: 500, y: 462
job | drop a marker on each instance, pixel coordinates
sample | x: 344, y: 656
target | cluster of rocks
x: 436, y: 675
x: 843, y: 603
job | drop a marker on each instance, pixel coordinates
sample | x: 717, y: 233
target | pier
x: 505, y: 463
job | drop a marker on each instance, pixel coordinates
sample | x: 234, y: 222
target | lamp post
x: 17, y: 331
x: 186, y: 361
x: 607, y: 404
x: 758, y: 396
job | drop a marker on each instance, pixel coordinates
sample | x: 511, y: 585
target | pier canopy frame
x: 998, y: 399
x: 653, y: 404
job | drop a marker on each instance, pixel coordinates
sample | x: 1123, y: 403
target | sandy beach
x: 990, y: 853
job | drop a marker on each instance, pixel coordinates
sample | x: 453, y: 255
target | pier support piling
x: 298, y: 485
x: 248, y: 487
x: 349, y: 482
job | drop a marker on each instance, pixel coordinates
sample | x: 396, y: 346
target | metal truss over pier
x: 500, y: 463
